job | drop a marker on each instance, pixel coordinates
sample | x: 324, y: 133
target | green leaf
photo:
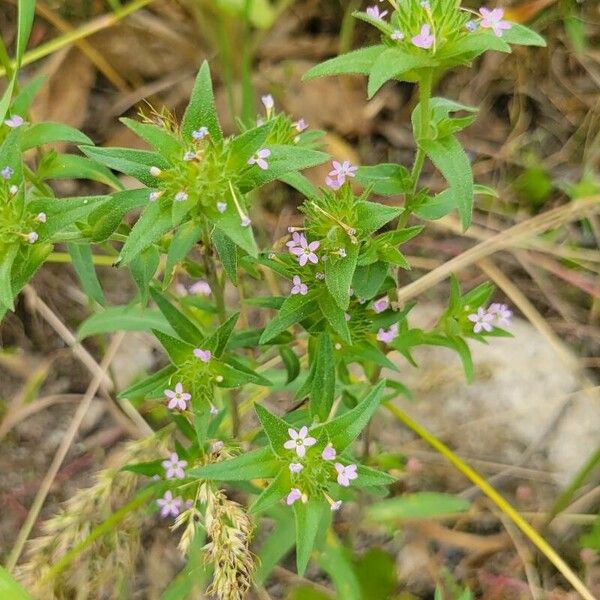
x: 301, y: 183
x: 334, y: 559
x: 245, y: 145
x: 277, y: 544
x: 356, y: 62
x: 123, y: 318
x: 22, y: 101
x: 421, y: 505
x: 154, y: 222
x: 183, y: 241
x: 48, y: 133
x: 283, y: 160
x: 273, y: 493
x: 24, y: 25
x: 391, y: 64
x: 73, y: 166
x: 339, y: 273
x: 464, y: 50
x: 371, y: 216
x: 201, y: 111
x: 218, y: 340
x: 519, y: 34
x: 136, y: 163
x: 10, y: 589
x: 6, y: 264
x: 295, y: 309
x: 308, y: 520
x: 368, y: 477
x: 104, y: 220
x: 334, y: 314
x: 368, y: 280
x: 323, y: 381
x: 387, y: 179
x: 236, y: 375
x: 184, y: 327
x: 343, y: 430
x: 229, y: 223
x: 275, y: 428
x: 257, y: 464
x: 81, y: 255
x: 150, y: 387
x: 163, y: 141
x: 142, y: 269
x: 449, y: 157
x: 291, y: 362
x: 227, y: 252
x: 376, y: 572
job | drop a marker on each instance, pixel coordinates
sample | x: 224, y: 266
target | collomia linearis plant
x: 324, y: 301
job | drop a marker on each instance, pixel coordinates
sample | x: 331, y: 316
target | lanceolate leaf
x: 123, y: 318
x: 308, y: 520
x: 275, y: 428
x: 356, y: 62
x: 201, y: 111
x: 73, y: 166
x: 47, y: 133
x: 273, y: 492
x: 162, y: 141
x: 81, y: 255
x: 323, y: 383
x: 293, y: 310
x: 258, y: 464
x: 218, y: 340
x: 343, y: 430
x: 184, y: 327
x: 227, y: 251
x: 450, y: 158
x: 519, y: 34
x: 338, y: 275
x: 335, y: 316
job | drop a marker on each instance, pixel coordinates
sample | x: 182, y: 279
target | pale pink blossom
x: 424, y: 39
x: 298, y: 287
x: 345, y: 474
x: 14, y: 121
x: 174, y: 467
x: 200, y: 288
x: 294, y: 495
x: 305, y: 251
x: 259, y: 158
x: 299, y: 441
x: 501, y: 313
x: 375, y: 13
x: 381, y: 305
x: 492, y: 19
x: 169, y: 505
x: 203, y: 355
x: 482, y: 320
x: 328, y: 453
x: 178, y: 398
x: 296, y: 467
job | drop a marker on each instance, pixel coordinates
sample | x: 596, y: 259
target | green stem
x: 212, y: 275
x: 98, y: 531
x: 425, y: 86
x: 64, y: 257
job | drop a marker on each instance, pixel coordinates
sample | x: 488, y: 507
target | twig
x: 61, y: 452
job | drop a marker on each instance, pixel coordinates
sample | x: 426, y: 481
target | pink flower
x: 374, y: 13
x: 14, y: 121
x: 169, y: 505
x: 388, y: 336
x: 334, y: 183
x: 501, y: 313
x: 32, y: 237
x: 492, y: 19
x: 295, y: 494
x: 178, y: 398
x: 174, y: 467
x: 245, y: 221
x: 6, y: 173
x: 342, y: 170
x: 181, y: 196
x: 305, y: 251
x: 203, y: 355
x: 259, y: 158
x: 299, y: 287
x: 329, y: 453
x: 336, y: 505
x: 424, y: 39
x: 482, y: 320
x: 380, y: 305
x: 221, y: 207
x: 300, y: 125
x: 296, y: 467
x: 154, y: 196
x: 200, y: 288
x: 299, y: 441
x: 41, y: 217
x: 345, y: 474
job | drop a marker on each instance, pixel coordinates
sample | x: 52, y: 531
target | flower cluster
x: 315, y: 473
x: 497, y: 315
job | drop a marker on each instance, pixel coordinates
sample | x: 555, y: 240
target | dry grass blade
x: 61, y: 452
x: 501, y: 241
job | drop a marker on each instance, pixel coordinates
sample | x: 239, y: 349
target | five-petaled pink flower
x: 337, y: 175
x: 492, y: 19
x: 300, y: 125
x: 298, y: 287
x: 169, y: 505
x: 200, y: 288
x: 501, y: 313
x: 174, y: 467
x: 345, y: 474
x: 203, y: 355
x: 200, y: 134
x: 295, y: 494
x: 299, y: 441
x: 425, y: 39
x: 382, y: 304
x: 375, y: 13
x: 305, y: 251
x: 295, y: 241
x: 482, y: 320
x: 389, y: 335
x: 259, y: 158
x: 178, y: 398
x: 296, y: 467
